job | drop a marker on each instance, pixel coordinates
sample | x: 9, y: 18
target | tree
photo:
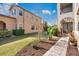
x: 45, y: 26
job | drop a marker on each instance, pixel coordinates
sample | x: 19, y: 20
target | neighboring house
x: 21, y: 18
x: 68, y: 17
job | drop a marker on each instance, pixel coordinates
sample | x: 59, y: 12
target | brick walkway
x: 59, y: 49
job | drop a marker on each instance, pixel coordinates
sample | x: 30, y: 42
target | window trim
x: 32, y: 27
x: 21, y: 12
x: 14, y: 12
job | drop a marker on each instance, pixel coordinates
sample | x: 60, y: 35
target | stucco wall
x: 76, y: 34
x: 69, y: 14
x: 64, y: 15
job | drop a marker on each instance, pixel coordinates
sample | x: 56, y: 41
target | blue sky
x: 48, y: 11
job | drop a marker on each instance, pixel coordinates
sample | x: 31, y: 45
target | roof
x: 7, y: 16
x: 23, y: 9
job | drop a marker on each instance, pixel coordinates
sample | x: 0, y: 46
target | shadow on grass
x: 12, y: 39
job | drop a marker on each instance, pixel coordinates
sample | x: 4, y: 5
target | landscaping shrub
x: 5, y: 33
x: 55, y: 31
x: 52, y: 30
x: 18, y: 32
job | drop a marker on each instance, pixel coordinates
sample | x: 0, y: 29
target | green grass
x: 10, y: 46
x: 12, y: 39
x: 10, y: 49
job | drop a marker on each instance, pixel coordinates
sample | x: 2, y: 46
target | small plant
x: 55, y: 31
x: 52, y: 30
x: 18, y: 32
x: 5, y: 33
x: 49, y: 32
x: 72, y: 39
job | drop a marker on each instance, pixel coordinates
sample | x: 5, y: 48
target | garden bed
x: 37, y: 50
x: 72, y: 51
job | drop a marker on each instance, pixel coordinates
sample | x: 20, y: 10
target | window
x: 31, y: 18
x: 65, y: 8
x: 32, y: 27
x: 20, y: 12
x: 14, y: 12
x: 20, y: 26
x: 36, y: 19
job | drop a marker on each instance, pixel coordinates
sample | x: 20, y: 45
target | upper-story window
x: 65, y: 8
x: 32, y: 27
x: 36, y: 19
x: 14, y: 12
x: 31, y: 18
x: 20, y: 12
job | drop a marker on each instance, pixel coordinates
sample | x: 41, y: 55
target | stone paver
x: 59, y: 49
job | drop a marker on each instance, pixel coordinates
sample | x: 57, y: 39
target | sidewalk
x: 59, y: 49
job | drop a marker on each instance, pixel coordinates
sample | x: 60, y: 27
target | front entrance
x: 67, y: 27
x: 2, y: 25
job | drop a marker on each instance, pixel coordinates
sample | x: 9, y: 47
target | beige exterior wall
x: 75, y: 18
x: 30, y: 20
x: 19, y: 19
x: 10, y: 22
x: 73, y: 15
x: 65, y: 15
x: 27, y: 20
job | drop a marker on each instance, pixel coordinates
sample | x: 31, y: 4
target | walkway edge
x: 59, y: 49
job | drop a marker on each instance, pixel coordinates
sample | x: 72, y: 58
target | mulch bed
x: 40, y: 49
x: 72, y: 51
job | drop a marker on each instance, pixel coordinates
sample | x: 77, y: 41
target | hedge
x: 18, y: 32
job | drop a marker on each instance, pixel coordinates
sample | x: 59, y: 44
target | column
x: 58, y: 14
x: 75, y: 17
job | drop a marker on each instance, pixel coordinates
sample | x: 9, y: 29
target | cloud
x: 4, y: 7
x: 7, y: 6
x: 54, y: 11
x: 46, y: 12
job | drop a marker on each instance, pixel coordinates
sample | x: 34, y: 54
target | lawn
x: 11, y: 47
x: 11, y: 39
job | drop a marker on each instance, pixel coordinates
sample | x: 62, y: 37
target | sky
x: 47, y: 11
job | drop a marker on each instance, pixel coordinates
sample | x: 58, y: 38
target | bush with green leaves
x: 5, y: 33
x: 49, y: 31
x: 18, y: 32
x: 52, y: 30
x: 55, y: 31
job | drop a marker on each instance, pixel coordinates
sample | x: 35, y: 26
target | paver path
x: 59, y: 49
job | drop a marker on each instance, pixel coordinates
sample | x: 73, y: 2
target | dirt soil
x: 40, y: 49
x: 72, y: 51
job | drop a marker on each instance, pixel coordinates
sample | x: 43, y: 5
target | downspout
x: 23, y: 20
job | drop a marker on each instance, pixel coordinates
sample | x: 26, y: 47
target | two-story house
x: 68, y: 17
x: 21, y: 18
